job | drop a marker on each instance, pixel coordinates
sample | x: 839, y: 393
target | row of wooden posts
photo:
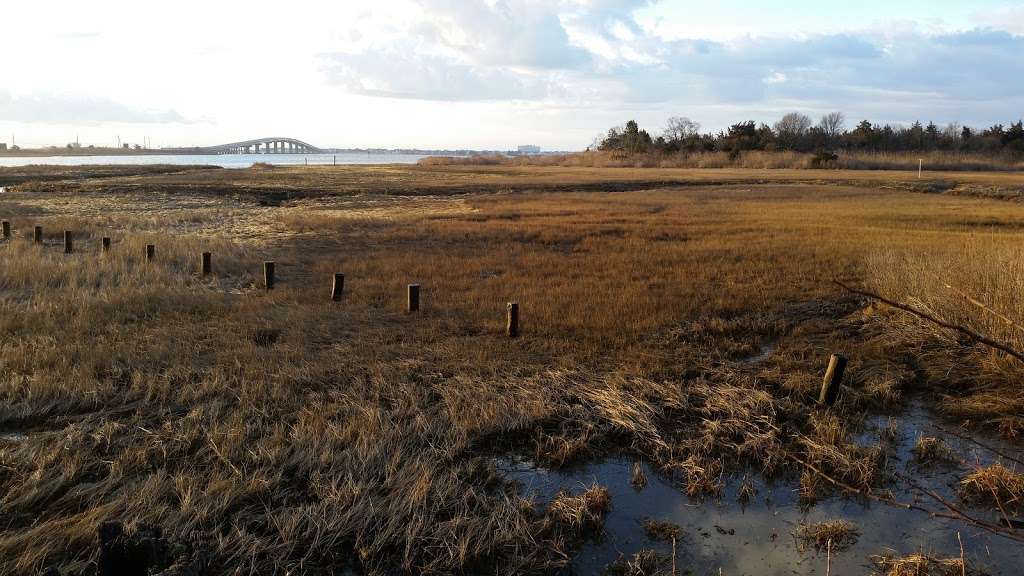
x: 269, y: 280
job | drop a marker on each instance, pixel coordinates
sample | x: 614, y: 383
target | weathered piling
x: 37, y: 234
x: 105, y: 244
x: 6, y: 227
x: 150, y: 252
x: 413, y: 300
x: 67, y: 242
x: 268, y: 275
x: 206, y: 263
x: 833, y: 377
x: 338, y: 286
x: 512, y: 320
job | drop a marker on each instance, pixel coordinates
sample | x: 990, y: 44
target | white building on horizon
x: 529, y: 149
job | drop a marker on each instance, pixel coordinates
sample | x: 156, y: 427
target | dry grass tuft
x: 643, y: 563
x: 996, y: 486
x: 829, y: 449
x: 583, y: 514
x: 922, y: 565
x: 837, y: 535
x: 929, y: 450
x: 637, y: 478
x: 662, y: 531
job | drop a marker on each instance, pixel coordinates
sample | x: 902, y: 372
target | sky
x: 491, y: 74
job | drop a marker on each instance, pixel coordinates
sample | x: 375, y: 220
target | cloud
x: 62, y: 109
x: 406, y: 73
x: 594, y: 54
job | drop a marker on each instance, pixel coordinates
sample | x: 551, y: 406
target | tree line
x: 797, y: 132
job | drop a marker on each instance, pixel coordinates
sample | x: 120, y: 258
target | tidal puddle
x: 727, y: 538
x: 760, y: 356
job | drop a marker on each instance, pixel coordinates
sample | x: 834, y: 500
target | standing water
x: 726, y: 537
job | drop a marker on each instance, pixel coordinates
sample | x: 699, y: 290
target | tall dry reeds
x: 752, y: 159
x: 977, y: 284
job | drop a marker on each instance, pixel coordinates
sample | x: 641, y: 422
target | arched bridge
x: 273, y: 145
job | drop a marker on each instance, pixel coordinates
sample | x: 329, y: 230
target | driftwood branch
x: 980, y: 338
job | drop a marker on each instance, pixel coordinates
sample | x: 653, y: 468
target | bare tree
x: 832, y: 125
x: 791, y: 129
x: 680, y: 129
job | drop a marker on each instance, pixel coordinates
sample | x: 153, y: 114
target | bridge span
x: 271, y: 145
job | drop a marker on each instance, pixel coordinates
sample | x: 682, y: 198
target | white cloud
x: 65, y: 109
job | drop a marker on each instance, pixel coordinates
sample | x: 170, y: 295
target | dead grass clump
x: 637, y: 478
x: 580, y: 515
x: 995, y: 486
x: 643, y: 563
x: 836, y: 535
x: 929, y: 450
x: 890, y: 564
x: 662, y: 530
x: 828, y: 448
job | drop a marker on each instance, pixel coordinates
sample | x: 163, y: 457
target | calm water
x: 225, y: 160
x: 757, y: 540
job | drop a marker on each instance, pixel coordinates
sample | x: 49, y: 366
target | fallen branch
x: 938, y: 321
x: 1009, y: 321
x: 952, y: 512
x: 967, y: 438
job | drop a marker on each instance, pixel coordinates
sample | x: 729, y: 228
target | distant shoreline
x: 84, y: 152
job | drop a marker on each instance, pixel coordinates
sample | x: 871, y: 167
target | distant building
x: 3, y: 145
x: 529, y: 149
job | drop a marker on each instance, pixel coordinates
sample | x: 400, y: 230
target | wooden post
x: 207, y: 263
x: 833, y: 377
x: 6, y: 229
x: 150, y: 252
x: 512, y: 325
x: 414, y: 298
x: 37, y: 234
x: 338, y: 287
x: 105, y: 244
x: 268, y: 275
x: 67, y: 242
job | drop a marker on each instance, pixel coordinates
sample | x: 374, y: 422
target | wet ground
x: 725, y: 537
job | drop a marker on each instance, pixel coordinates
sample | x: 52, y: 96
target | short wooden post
x: 6, y: 229
x: 105, y: 244
x: 268, y: 275
x: 833, y: 377
x: 67, y: 242
x: 37, y: 234
x: 150, y: 252
x: 413, y: 304
x: 207, y: 263
x: 512, y: 325
x: 338, y: 287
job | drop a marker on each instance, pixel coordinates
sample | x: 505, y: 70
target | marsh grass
x: 364, y: 436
